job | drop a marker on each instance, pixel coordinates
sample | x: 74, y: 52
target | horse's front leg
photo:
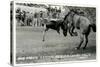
x: 58, y: 30
x: 70, y: 27
x: 81, y: 41
x: 73, y: 31
x: 44, y: 32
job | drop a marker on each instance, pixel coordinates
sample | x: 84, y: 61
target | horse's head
x: 67, y: 20
x: 72, y: 12
x: 64, y: 27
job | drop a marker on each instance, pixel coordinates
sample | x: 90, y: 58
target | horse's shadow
x: 88, y: 50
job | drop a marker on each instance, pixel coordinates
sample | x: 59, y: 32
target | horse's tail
x: 93, y: 26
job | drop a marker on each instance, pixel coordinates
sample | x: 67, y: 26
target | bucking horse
x: 73, y: 22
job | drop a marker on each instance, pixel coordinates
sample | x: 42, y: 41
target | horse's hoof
x: 76, y: 34
x: 84, y: 48
x: 71, y: 35
x: 59, y: 33
x: 43, y: 40
x: 77, y: 48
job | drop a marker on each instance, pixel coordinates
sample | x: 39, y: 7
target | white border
x: 63, y: 3
x: 52, y: 3
x: 14, y: 35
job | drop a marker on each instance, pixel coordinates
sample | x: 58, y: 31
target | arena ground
x: 29, y: 44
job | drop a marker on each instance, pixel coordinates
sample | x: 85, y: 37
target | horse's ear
x: 72, y: 10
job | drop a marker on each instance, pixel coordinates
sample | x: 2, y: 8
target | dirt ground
x: 31, y: 49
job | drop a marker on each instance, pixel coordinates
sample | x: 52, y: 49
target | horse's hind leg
x: 86, y: 41
x: 81, y: 41
x: 86, y: 37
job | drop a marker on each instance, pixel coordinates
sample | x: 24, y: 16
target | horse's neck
x: 75, y: 15
x: 76, y: 20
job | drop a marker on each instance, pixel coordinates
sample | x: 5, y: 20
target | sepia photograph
x: 44, y: 33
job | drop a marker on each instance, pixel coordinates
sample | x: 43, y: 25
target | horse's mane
x: 69, y: 13
x: 66, y: 16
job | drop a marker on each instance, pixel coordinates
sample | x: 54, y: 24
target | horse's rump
x: 53, y: 24
x: 93, y: 26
